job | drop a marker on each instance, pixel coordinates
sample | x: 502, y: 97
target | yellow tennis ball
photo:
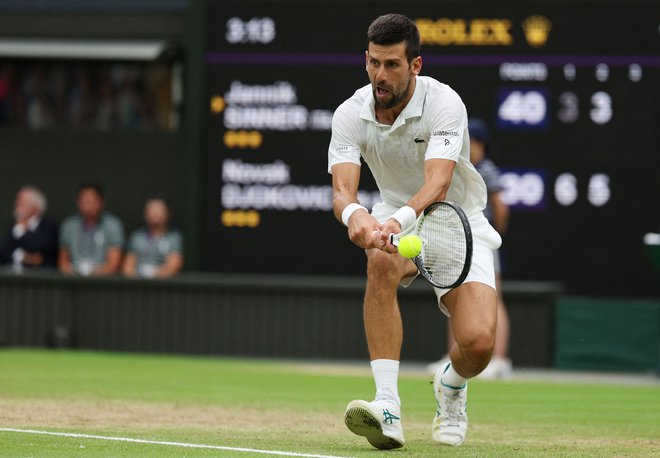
x: 410, y: 246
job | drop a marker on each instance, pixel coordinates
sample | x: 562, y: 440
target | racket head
x: 446, y: 255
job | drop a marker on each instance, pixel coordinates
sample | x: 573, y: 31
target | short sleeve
x: 176, y: 242
x: 66, y: 234
x: 447, y: 120
x: 491, y: 175
x: 114, y: 232
x: 131, y: 247
x: 345, y: 143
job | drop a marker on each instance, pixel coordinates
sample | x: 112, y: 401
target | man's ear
x: 416, y: 65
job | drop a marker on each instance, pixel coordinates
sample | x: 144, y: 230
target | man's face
x: 477, y: 150
x: 390, y: 73
x: 90, y: 204
x: 24, y: 206
x: 156, y: 213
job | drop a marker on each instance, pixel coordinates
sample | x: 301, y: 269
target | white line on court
x: 174, y: 444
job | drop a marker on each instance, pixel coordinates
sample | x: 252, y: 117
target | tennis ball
x: 410, y: 246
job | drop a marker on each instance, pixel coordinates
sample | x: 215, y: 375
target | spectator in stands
x: 32, y: 240
x: 91, y: 242
x: 155, y: 251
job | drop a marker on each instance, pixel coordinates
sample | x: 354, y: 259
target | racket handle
x: 394, y: 240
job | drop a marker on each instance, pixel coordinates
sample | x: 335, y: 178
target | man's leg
x: 382, y: 318
x: 500, y: 365
x: 473, y: 307
x: 380, y: 420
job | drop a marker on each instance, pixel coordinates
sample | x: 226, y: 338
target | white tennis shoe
x: 450, y: 422
x: 379, y: 421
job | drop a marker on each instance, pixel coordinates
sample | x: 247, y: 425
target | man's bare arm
x: 437, y: 178
x: 361, y: 225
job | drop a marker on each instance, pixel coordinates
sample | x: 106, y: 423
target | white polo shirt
x: 432, y: 125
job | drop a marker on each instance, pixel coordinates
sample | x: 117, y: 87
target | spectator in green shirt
x: 91, y: 242
x: 154, y: 251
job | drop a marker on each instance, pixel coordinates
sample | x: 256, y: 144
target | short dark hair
x: 391, y: 29
x: 160, y: 197
x: 97, y: 188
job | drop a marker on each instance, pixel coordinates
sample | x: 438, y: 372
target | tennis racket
x: 446, y: 236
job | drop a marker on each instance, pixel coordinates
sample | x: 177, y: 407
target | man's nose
x: 381, y: 75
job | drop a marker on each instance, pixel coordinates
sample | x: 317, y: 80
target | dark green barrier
x: 607, y: 334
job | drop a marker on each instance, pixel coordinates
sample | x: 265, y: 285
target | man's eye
x: 392, y: 64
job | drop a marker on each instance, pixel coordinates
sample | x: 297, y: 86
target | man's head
x: 157, y: 213
x: 392, y: 29
x: 392, y: 58
x: 90, y: 201
x: 30, y: 201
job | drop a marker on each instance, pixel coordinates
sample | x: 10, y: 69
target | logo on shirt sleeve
x: 444, y: 133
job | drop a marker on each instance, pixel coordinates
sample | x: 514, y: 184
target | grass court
x: 269, y: 406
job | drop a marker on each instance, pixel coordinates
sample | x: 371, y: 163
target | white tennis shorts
x: 485, y: 239
x: 498, y: 262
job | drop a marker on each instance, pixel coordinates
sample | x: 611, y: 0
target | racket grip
x: 393, y: 240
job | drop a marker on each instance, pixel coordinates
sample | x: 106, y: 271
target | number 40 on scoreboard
x: 522, y: 109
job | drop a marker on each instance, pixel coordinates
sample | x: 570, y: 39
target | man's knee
x: 477, y: 345
x: 382, y: 266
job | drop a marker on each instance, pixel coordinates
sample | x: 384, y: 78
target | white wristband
x: 349, y: 210
x: 18, y: 255
x: 405, y: 215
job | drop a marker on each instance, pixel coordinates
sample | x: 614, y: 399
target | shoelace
x: 453, y: 406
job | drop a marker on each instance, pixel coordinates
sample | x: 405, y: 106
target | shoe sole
x: 451, y: 441
x: 363, y: 423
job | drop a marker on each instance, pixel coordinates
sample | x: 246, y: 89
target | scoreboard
x: 571, y: 94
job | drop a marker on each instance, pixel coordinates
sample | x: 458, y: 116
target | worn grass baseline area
x: 248, y: 407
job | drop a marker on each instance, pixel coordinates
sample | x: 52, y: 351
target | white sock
x: 453, y: 379
x: 386, y: 374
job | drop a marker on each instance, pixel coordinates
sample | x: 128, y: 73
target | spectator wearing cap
x: 91, y: 242
x: 496, y: 210
x: 31, y: 242
x: 154, y: 251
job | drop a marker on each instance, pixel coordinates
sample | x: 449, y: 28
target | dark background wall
x: 94, y: 18
x: 184, y: 165
x: 130, y: 165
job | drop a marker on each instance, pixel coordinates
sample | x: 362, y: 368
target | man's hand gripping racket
x: 446, y: 251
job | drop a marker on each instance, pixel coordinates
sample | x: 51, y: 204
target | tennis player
x: 411, y: 131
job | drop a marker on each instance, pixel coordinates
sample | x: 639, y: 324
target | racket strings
x: 444, y: 248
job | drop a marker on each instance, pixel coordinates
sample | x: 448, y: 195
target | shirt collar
x: 33, y: 222
x: 413, y: 109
